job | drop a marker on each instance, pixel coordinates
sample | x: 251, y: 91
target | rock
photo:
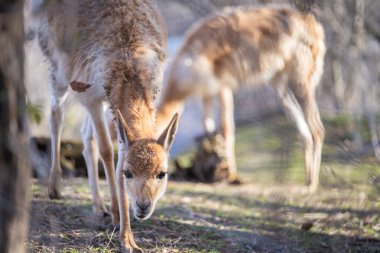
x: 209, y: 164
x: 306, y: 226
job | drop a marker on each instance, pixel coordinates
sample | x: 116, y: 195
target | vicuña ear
x: 126, y: 134
x: 167, y: 137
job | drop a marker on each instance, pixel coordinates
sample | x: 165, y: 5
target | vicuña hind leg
x: 55, y: 123
x: 91, y: 156
x: 208, y: 114
x: 300, y: 100
x: 317, y: 130
x: 295, y: 111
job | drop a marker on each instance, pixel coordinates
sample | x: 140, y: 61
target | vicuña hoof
x: 128, y: 244
x: 55, y: 194
x: 131, y: 249
x: 312, y: 188
x: 235, y: 181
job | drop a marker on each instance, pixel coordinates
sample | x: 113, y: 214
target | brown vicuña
x: 273, y: 45
x: 109, y: 51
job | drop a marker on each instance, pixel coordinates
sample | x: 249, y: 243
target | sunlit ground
x: 270, y: 212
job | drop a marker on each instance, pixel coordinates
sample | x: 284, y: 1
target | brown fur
x: 151, y: 155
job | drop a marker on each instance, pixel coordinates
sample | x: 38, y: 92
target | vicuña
x: 112, y: 51
x: 254, y: 46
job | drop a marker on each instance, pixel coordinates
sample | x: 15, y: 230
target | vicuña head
x: 146, y: 169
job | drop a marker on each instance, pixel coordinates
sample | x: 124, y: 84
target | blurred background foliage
x: 34, y: 112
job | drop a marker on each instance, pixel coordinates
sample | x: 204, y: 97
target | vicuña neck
x: 131, y: 93
x: 172, y: 101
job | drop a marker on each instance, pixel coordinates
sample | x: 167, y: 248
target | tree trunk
x: 14, y: 156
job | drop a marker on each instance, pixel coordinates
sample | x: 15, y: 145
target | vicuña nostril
x: 143, y: 205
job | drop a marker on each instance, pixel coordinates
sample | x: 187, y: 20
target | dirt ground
x: 270, y: 212
x: 218, y: 218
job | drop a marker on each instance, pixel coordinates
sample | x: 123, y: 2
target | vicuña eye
x: 161, y: 175
x: 128, y: 174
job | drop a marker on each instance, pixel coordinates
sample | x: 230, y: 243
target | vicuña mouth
x: 142, y: 216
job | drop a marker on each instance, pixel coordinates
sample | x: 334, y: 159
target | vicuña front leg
x: 103, y: 138
x: 126, y: 236
x: 228, y: 130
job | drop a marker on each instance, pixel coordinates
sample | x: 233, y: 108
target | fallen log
x: 72, y: 161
